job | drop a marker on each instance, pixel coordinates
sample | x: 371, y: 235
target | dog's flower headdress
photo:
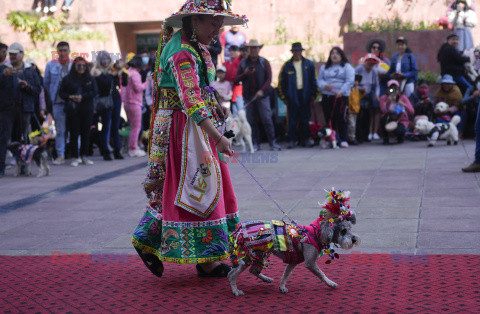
x: 336, y: 207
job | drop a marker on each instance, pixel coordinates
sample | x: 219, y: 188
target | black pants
x: 298, y: 117
x: 21, y: 126
x: 79, y: 124
x: 335, y: 112
x: 6, y: 125
x: 399, y: 132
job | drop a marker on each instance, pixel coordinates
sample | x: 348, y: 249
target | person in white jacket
x: 462, y: 16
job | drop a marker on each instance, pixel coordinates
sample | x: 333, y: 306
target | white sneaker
x: 370, y: 136
x: 344, y: 145
x: 140, y: 152
x: 86, y: 162
x: 53, y: 9
x: 76, y: 162
x: 376, y: 137
x: 59, y: 161
x: 45, y: 10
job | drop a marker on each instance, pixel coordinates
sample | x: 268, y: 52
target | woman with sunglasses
x: 78, y: 89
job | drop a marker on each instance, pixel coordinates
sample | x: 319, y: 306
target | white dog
x: 444, y: 131
x: 441, y: 108
x: 242, y: 129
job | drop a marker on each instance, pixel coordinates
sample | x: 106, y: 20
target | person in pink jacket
x: 133, y: 105
x: 395, y: 108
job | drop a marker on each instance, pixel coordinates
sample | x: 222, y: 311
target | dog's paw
x: 238, y: 293
x: 283, y: 289
x: 331, y: 284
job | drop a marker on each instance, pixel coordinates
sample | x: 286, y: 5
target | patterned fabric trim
x: 169, y: 99
x: 187, y: 245
x: 185, y: 71
x: 155, y: 179
x: 194, y: 224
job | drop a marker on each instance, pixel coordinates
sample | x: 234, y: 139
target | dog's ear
x: 352, y: 218
x: 327, y: 232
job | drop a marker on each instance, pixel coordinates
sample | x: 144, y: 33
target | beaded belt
x: 169, y: 99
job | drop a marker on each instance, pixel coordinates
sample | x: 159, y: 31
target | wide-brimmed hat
x: 380, y: 41
x: 207, y: 7
x: 447, y: 79
x: 253, y: 43
x: 297, y: 47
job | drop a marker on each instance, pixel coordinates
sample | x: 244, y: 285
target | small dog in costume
x: 444, y: 131
x: 254, y: 241
x: 442, y: 112
x: 25, y: 153
x: 319, y: 132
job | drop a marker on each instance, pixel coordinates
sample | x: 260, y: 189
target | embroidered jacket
x: 182, y: 69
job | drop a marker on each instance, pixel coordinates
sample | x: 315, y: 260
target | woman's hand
x: 223, y: 146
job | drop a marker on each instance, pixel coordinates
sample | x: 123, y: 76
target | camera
x: 391, y: 91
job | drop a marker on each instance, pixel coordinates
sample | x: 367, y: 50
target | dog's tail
x: 456, y: 120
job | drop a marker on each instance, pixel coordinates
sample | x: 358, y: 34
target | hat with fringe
x: 336, y: 207
x: 207, y: 7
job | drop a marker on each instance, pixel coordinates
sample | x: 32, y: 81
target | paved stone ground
x: 408, y: 198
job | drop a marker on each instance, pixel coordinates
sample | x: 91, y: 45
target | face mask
x: 423, y: 91
x: 145, y: 60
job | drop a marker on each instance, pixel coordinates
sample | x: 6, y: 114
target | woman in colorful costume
x: 192, y: 206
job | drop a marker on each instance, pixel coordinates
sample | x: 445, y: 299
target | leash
x: 259, y: 184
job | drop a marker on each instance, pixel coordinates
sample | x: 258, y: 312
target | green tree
x: 37, y: 27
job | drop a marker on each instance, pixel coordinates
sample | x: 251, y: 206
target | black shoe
x: 316, y: 142
x: 107, y: 157
x: 385, y: 141
x: 400, y: 140
x: 2, y: 170
x: 353, y: 143
x: 291, y: 145
x: 474, y: 167
x: 274, y: 146
x: 117, y: 155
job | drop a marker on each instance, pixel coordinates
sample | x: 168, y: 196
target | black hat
x: 402, y: 39
x: 451, y: 36
x: 297, y: 47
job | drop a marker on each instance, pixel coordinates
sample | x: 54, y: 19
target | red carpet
x: 367, y: 283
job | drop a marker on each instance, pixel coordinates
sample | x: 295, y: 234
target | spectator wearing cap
x: 255, y: 73
x: 231, y: 67
x: 404, y: 67
x: 19, y: 90
x: 3, y: 53
x: 463, y: 18
x: 133, y: 104
x: 395, y: 108
x: 451, y: 94
x: 223, y: 87
x: 232, y: 37
x: 55, y: 71
x: 368, y: 120
x: 297, y: 88
x: 336, y: 79
x: 453, y: 63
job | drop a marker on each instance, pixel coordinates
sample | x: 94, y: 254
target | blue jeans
x: 106, y: 117
x: 60, y: 128
x: 477, y: 136
x: 462, y: 83
x: 237, y: 105
x: 115, y: 125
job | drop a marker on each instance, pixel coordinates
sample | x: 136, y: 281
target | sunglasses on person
x: 376, y: 47
x: 81, y: 65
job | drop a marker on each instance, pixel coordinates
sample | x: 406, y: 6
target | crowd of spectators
x: 377, y: 100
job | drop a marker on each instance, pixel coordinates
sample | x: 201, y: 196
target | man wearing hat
x: 255, y: 73
x: 19, y: 89
x: 297, y: 88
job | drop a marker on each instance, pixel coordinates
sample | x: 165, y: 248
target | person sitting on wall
x: 453, y: 63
